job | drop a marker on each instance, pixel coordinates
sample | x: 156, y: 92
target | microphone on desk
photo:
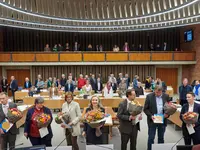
x: 177, y: 142
x: 14, y: 146
x: 96, y: 145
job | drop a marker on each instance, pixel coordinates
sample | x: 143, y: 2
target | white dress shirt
x: 99, y: 86
x: 5, y: 108
x: 191, y: 108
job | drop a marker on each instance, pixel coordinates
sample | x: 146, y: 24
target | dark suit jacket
x: 14, y: 85
x: 14, y: 129
x: 114, y: 87
x: 67, y: 88
x: 63, y: 82
x: 96, y: 86
x: 123, y: 116
x: 29, y: 85
x: 93, y: 83
x: 36, y: 81
x: 4, y: 86
x: 150, y: 106
x: 27, y: 124
x: 185, y: 109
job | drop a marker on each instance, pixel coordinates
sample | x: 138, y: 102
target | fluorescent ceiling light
x: 85, y: 20
x: 99, y: 27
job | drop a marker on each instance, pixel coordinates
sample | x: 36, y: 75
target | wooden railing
x: 97, y: 56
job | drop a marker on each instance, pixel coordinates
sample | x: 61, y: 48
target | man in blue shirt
x: 183, y: 90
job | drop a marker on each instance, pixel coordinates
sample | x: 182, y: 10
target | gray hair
x: 39, y: 100
x: 158, y: 87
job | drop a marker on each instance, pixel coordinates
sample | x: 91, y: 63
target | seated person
x: 94, y: 135
x: 69, y: 87
x: 122, y: 87
x: 40, y: 84
x: 87, y: 88
x: 32, y: 91
x: 139, y: 90
x: 148, y: 83
x: 115, y: 48
x: 53, y: 91
x: 89, y: 48
x: 27, y: 83
x: 108, y: 91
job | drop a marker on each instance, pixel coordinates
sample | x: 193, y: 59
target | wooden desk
x: 20, y: 95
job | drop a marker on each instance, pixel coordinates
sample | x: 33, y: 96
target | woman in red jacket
x: 81, y: 82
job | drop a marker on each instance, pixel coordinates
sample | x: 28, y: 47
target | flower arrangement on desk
x: 190, y: 117
x: 43, y: 120
x: 135, y: 108
x: 170, y: 108
x: 62, y: 117
x: 14, y: 115
x: 95, y: 118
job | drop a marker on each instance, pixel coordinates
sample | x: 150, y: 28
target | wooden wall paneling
x: 117, y: 57
x: 47, y: 57
x: 169, y: 76
x: 139, y: 56
x: 5, y: 57
x: 23, y: 57
x: 71, y: 57
x: 94, y: 57
x: 184, y: 56
x: 162, y: 56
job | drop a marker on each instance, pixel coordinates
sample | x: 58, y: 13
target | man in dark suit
x: 27, y: 84
x: 4, y: 84
x: 128, y: 80
x: 93, y: 82
x: 69, y: 87
x: 13, y: 86
x: 36, y: 81
x: 191, y: 106
x: 63, y: 80
x: 165, y: 47
x: 99, y: 85
x: 10, y: 136
x: 128, y: 127
x: 154, y: 104
x: 76, y: 46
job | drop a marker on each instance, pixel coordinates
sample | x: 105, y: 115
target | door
x: 20, y: 75
x: 169, y: 76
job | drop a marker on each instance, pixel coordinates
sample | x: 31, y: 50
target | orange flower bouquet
x: 43, y: 120
x: 14, y: 115
x: 95, y: 118
x: 190, y: 117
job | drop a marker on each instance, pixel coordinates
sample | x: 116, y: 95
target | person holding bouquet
x: 128, y: 125
x: 94, y: 135
x: 38, y: 117
x: 190, y: 118
x: 72, y: 125
x: 10, y: 136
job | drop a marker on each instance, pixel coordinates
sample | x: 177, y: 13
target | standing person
x: 31, y: 129
x: 196, y: 90
x: 87, y: 88
x: 128, y: 80
x: 126, y: 47
x: 135, y: 81
x: 128, y: 128
x: 10, y: 136
x: 99, y: 85
x: 94, y: 135
x: 154, y: 104
x: 63, y: 80
x: 47, y: 48
x: 13, y: 86
x: 93, y: 82
x: 27, y: 83
x: 69, y: 87
x: 73, y: 109
x: 183, y: 90
x: 139, y: 90
x: 191, y: 106
x: 4, y: 84
x: 165, y: 47
x: 39, y: 77
x: 119, y: 79
x: 81, y: 82
x: 108, y: 91
x: 50, y: 82
x: 122, y: 87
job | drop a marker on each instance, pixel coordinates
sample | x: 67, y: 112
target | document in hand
x: 158, y: 118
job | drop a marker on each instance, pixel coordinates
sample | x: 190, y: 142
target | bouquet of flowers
x: 95, y: 118
x: 14, y: 115
x: 170, y: 108
x: 135, y: 108
x: 190, y: 117
x: 43, y: 120
x: 62, y: 117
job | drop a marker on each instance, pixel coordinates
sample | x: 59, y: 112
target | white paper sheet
x: 43, y: 132
x: 190, y: 129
